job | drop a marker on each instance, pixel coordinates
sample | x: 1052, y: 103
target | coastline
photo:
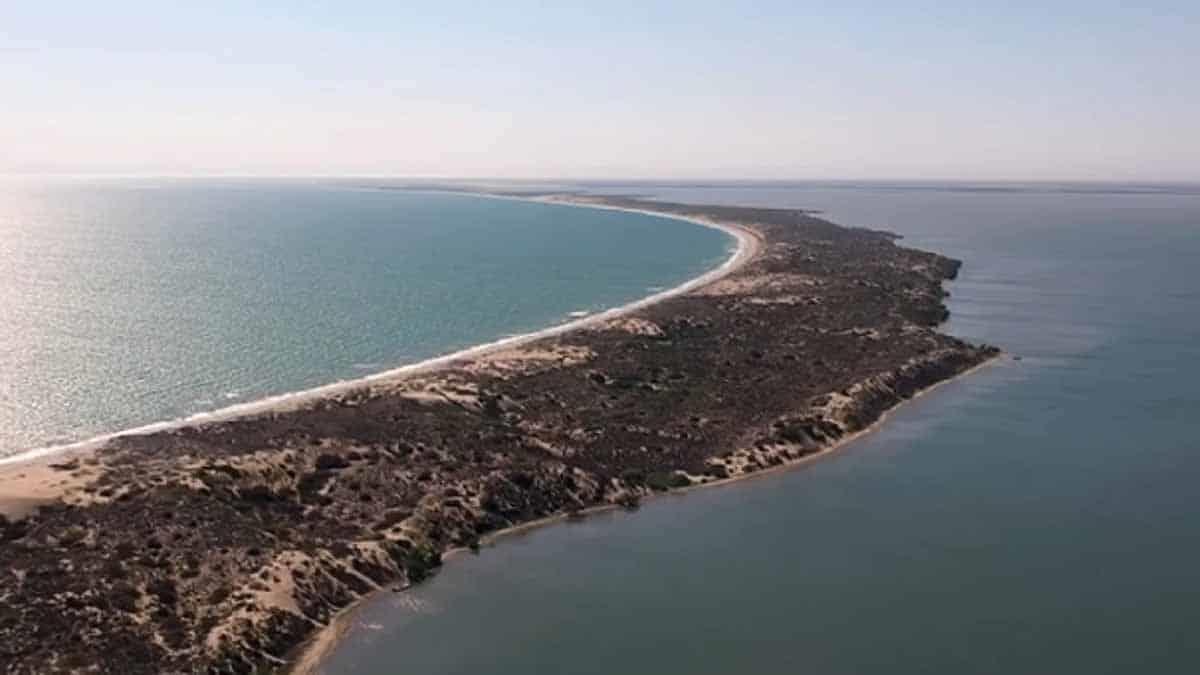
x: 282, y: 520
x: 747, y: 241
x: 311, y: 655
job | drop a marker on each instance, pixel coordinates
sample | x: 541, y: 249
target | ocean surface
x: 1039, y: 516
x: 128, y: 302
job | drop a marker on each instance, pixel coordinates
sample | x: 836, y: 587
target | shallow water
x: 1039, y: 516
x: 125, y: 302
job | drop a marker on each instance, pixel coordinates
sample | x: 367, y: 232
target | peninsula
x: 224, y: 546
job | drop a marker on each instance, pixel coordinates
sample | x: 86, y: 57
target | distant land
x: 235, y: 545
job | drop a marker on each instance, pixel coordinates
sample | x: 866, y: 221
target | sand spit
x: 222, y: 546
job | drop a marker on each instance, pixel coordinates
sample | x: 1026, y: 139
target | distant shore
x: 229, y: 542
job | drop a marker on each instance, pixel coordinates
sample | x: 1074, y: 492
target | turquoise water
x: 125, y: 302
x: 1040, y: 516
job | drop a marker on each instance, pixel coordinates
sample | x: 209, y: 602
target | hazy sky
x: 1000, y: 90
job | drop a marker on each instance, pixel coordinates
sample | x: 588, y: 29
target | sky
x: 1066, y: 90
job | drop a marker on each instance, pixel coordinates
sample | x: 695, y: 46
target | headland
x: 224, y: 545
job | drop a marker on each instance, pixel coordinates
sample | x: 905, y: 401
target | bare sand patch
x: 24, y: 487
x: 745, y: 284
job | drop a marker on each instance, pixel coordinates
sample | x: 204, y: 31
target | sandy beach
x: 28, y: 480
x: 748, y: 245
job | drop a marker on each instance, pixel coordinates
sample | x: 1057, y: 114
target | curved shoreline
x: 315, y: 651
x: 748, y: 245
x: 279, y: 522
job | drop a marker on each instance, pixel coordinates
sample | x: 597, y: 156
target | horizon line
x: 583, y: 178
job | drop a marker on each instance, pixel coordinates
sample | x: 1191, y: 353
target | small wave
x: 579, y: 314
x: 414, y: 604
x: 364, y: 366
x: 232, y: 394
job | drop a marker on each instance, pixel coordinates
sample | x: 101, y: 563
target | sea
x: 129, y: 302
x: 1041, y: 515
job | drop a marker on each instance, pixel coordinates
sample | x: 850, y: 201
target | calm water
x: 128, y: 302
x: 1041, y: 516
